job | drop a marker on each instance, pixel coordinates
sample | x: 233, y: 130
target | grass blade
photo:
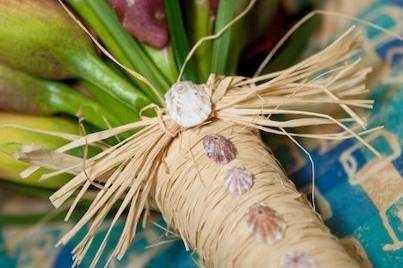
x: 11, y: 137
x: 294, y: 48
x: 103, y: 20
x: 120, y: 111
x: 221, y: 46
x: 179, y: 40
x: 200, y: 25
x: 23, y: 93
x: 165, y: 60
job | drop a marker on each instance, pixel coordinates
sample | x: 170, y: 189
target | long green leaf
x: 95, y: 71
x: 39, y: 38
x: 179, y: 39
x: 165, y: 60
x: 221, y: 46
x: 115, y: 107
x: 102, y: 19
x: 23, y: 93
x: 9, y: 136
x: 200, y: 25
x: 294, y: 47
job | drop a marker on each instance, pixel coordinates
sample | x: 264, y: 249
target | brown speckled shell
x: 219, y: 149
x: 266, y: 224
x: 297, y: 259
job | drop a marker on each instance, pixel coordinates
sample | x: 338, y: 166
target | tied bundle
x: 201, y: 163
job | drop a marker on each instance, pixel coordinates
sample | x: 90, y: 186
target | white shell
x: 298, y: 259
x: 188, y: 104
x: 238, y: 180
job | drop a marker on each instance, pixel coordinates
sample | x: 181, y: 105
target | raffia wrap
x: 163, y: 166
x: 194, y: 201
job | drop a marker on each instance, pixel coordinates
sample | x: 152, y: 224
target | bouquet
x: 169, y: 119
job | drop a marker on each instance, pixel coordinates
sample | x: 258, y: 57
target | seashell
x: 266, y: 224
x: 298, y: 259
x: 219, y: 149
x: 188, y: 104
x: 238, y: 180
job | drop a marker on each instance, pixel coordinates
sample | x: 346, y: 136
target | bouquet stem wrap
x: 193, y: 200
x: 253, y: 217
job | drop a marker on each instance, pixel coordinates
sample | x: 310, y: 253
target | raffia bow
x: 127, y: 169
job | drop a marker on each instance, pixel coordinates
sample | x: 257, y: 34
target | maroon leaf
x: 119, y: 6
x: 144, y: 19
x: 213, y: 6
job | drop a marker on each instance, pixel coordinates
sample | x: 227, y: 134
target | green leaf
x: 103, y: 20
x: 200, y: 25
x: 23, y: 93
x: 39, y: 38
x: 165, y: 60
x: 95, y: 71
x: 179, y: 40
x: 11, y: 168
x: 293, y: 48
x: 221, y: 46
x: 24, y: 219
x: 115, y: 107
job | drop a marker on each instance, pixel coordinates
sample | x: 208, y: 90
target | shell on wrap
x: 219, y: 149
x: 238, y: 180
x: 188, y: 104
x: 266, y: 224
x: 297, y: 259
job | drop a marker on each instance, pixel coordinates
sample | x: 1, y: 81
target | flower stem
x: 179, y: 40
x: 103, y: 20
x: 200, y: 25
x: 93, y: 70
x: 221, y: 46
x: 25, y: 94
x: 116, y: 107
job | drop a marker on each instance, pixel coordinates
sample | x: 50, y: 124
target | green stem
x: 26, y: 94
x: 90, y: 68
x: 68, y: 101
x: 11, y: 139
x: 228, y: 48
x: 33, y: 191
x: 239, y: 39
x: 165, y: 60
x: 28, y: 219
x: 221, y: 46
x: 103, y: 20
x: 179, y: 39
x: 294, y: 48
x: 200, y: 24
x: 118, y: 109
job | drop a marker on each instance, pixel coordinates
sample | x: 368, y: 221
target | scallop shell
x: 266, y: 224
x: 298, y: 259
x: 238, y: 180
x: 188, y: 104
x: 219, y: 149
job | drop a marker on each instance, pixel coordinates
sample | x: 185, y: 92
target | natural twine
x: 164, y: 164
x: 213, y: 222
